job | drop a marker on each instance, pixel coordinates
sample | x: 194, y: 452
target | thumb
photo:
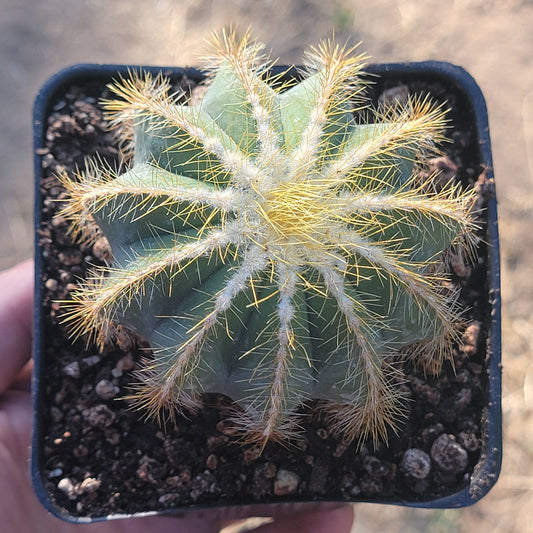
x: 336, y: 520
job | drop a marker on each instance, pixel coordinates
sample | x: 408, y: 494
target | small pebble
x: 211, y: 462
x: 99, y: 416
x: 286, y: 482
x: 251, y: 454
x: 91, y: 360
x: 425, y: 392
x: 203, y: 483
x: 448, y: 455
x: 56, y: 472
x: 51, y: 284
x: 124, y: 363
x: 147, y: 468
x: 58, y: 222
x: 89, y: 485
x: 470, y: 339
x: 106, y: 390
x: 468, y: 441
x: 215, y: 441
x: 72, y: 370
x: 377, y: 468
x: 70, y: 257
x: 167, y: 499
x: 60, y: 105
x: 65, y: 277
x: 394, y: 96
x: 355, y: 491
x: 65, y: 485
x: 173, y: 481
x: 416, y: 463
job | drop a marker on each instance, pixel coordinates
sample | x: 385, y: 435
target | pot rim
x: 487, y: 470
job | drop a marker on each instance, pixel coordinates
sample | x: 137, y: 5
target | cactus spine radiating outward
x: 271, y: 248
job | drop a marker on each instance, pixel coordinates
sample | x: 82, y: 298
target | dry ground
x: 492, y: 39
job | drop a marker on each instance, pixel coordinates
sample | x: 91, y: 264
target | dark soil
x: 99, y: 457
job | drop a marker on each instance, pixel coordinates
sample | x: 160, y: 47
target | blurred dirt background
x: 492, y: 39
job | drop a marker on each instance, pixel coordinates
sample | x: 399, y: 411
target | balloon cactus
x: 271, y: 247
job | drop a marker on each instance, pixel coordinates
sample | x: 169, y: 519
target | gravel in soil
x: 100, y: 457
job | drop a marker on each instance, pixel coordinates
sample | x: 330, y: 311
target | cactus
x: 272, y: 248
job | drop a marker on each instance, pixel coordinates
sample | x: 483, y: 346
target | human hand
x: 20, y: 510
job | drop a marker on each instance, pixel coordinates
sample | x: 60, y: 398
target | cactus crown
x: 270, y: 247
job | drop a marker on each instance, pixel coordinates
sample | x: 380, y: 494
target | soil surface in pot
x: 100, y: 457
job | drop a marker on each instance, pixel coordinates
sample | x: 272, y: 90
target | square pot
x: 95, y: 459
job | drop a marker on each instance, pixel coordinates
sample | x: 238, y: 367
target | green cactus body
x: 271, y: 248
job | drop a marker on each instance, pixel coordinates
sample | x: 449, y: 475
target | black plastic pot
x: 471, y: 106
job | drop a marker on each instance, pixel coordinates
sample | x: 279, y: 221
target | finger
x: 162, y: 524
x: 15, y: 425
x: 16, y: 303
x: 23, y: 380
x: 336, y: 520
